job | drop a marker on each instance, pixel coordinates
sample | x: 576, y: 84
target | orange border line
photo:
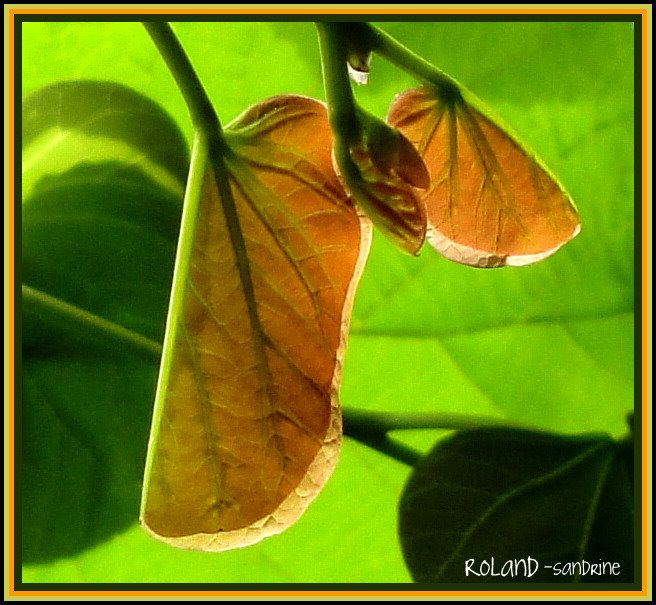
x: 326, y: 11
x: 644, y: 365
x: 11, y: 287
x: 318, y: 593
x: 411, y: 593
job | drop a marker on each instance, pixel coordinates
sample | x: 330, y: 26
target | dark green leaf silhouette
x: 486, y: 497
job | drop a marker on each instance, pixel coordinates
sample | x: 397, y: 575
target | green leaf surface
x: 98, y: 237
x: 81, y: 485
x: 550, y: 344
x: 486, y: 497
x: 101, y: 237
x: 67, y: 121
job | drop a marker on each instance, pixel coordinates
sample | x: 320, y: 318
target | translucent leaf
x: 485, y: 497
x: 383, y: 172
x: 491, y: 203
x: 247, y: 422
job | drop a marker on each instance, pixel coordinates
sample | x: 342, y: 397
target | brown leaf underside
x: 391, y: 202
x: 251, y: 425
x: 490, y: 203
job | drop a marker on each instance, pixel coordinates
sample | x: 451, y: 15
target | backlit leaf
x: 383, y: 173
x: 248, y: 424
x: 491, y: 203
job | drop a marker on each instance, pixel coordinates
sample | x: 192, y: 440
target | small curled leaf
x: 383, y: 172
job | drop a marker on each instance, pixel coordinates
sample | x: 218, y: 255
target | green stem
x: 86, y: 325
x: 373, y: 428
x: 369, y: 37
x: 384, y: 422
x: 342, y: 108
x: 390, y: 48
x: 207, y: 122
x: 200, y: 107
x: 382, y: 443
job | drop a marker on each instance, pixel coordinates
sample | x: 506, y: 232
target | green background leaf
x: 70, y: 120
x: 550, y: 344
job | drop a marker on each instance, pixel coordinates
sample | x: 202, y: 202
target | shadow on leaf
x: 99, y: 238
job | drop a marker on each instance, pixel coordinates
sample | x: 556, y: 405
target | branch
x: 342, y: 113
x: 368, y: 427
x: 86, y: 326
x: 373, y: 428
x: 363, y: 38
x: 395, y: 52
x: 200, y: 107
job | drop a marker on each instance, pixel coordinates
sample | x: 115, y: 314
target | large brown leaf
x: 490, y: 203
x: 250, y: 423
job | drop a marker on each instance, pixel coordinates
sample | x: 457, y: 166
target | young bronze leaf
x: 490, y: 202
x: 250, y: 423
x: 383, y: 173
